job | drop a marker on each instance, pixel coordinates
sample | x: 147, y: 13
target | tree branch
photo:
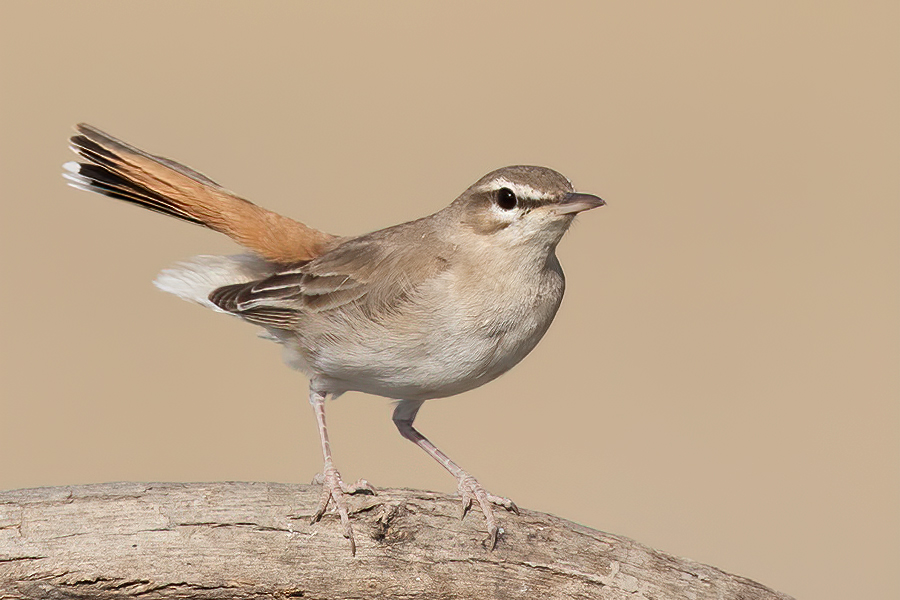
x: 254, y: 540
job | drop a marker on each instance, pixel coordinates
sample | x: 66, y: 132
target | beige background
x: 722, y: 379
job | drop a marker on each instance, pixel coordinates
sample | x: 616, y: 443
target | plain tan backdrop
x: 722, y: 379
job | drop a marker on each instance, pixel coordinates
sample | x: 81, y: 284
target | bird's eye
x: 506, y: 199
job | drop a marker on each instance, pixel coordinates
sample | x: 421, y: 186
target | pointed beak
x: 576, y: 203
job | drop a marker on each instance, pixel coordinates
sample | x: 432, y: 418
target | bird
x: 425, y: 309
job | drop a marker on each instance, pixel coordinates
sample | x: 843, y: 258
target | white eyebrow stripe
x: 522, y: 190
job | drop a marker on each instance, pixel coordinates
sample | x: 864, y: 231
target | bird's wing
x: 376, y: 272
x: 119, y: 170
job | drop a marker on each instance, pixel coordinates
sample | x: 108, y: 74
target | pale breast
x: 456, y: 333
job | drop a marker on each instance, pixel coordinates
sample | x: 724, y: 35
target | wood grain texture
x: 254, y: 540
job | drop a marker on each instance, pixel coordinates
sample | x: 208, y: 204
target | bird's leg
x: 333, y: 488
x: 469, y: 488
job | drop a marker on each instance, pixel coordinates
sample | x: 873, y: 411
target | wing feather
x: 370, y: 271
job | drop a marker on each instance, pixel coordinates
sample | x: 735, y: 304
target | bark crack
x: 411, y: 544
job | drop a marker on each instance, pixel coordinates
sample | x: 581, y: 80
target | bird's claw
x: 335, y: 490
x: 471, y: 491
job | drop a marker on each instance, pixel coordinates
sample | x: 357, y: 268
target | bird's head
x: 523, y: 205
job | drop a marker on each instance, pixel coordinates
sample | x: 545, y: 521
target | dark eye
x: 506, y: 199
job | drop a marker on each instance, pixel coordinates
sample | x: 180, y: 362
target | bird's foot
x: 335, y: 490
x: 471, y: 491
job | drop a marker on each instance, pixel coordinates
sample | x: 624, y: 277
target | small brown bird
x: 421, y: 310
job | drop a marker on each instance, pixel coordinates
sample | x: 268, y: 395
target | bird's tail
x: 116, y: 169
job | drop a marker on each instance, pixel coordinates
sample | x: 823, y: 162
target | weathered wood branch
x: 254, y: 540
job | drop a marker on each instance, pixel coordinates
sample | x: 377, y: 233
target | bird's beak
x: 575, y: 203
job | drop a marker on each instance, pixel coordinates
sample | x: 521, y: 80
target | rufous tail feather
x: 119, y: 170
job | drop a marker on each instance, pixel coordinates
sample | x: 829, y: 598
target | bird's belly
x: 433, y: 354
